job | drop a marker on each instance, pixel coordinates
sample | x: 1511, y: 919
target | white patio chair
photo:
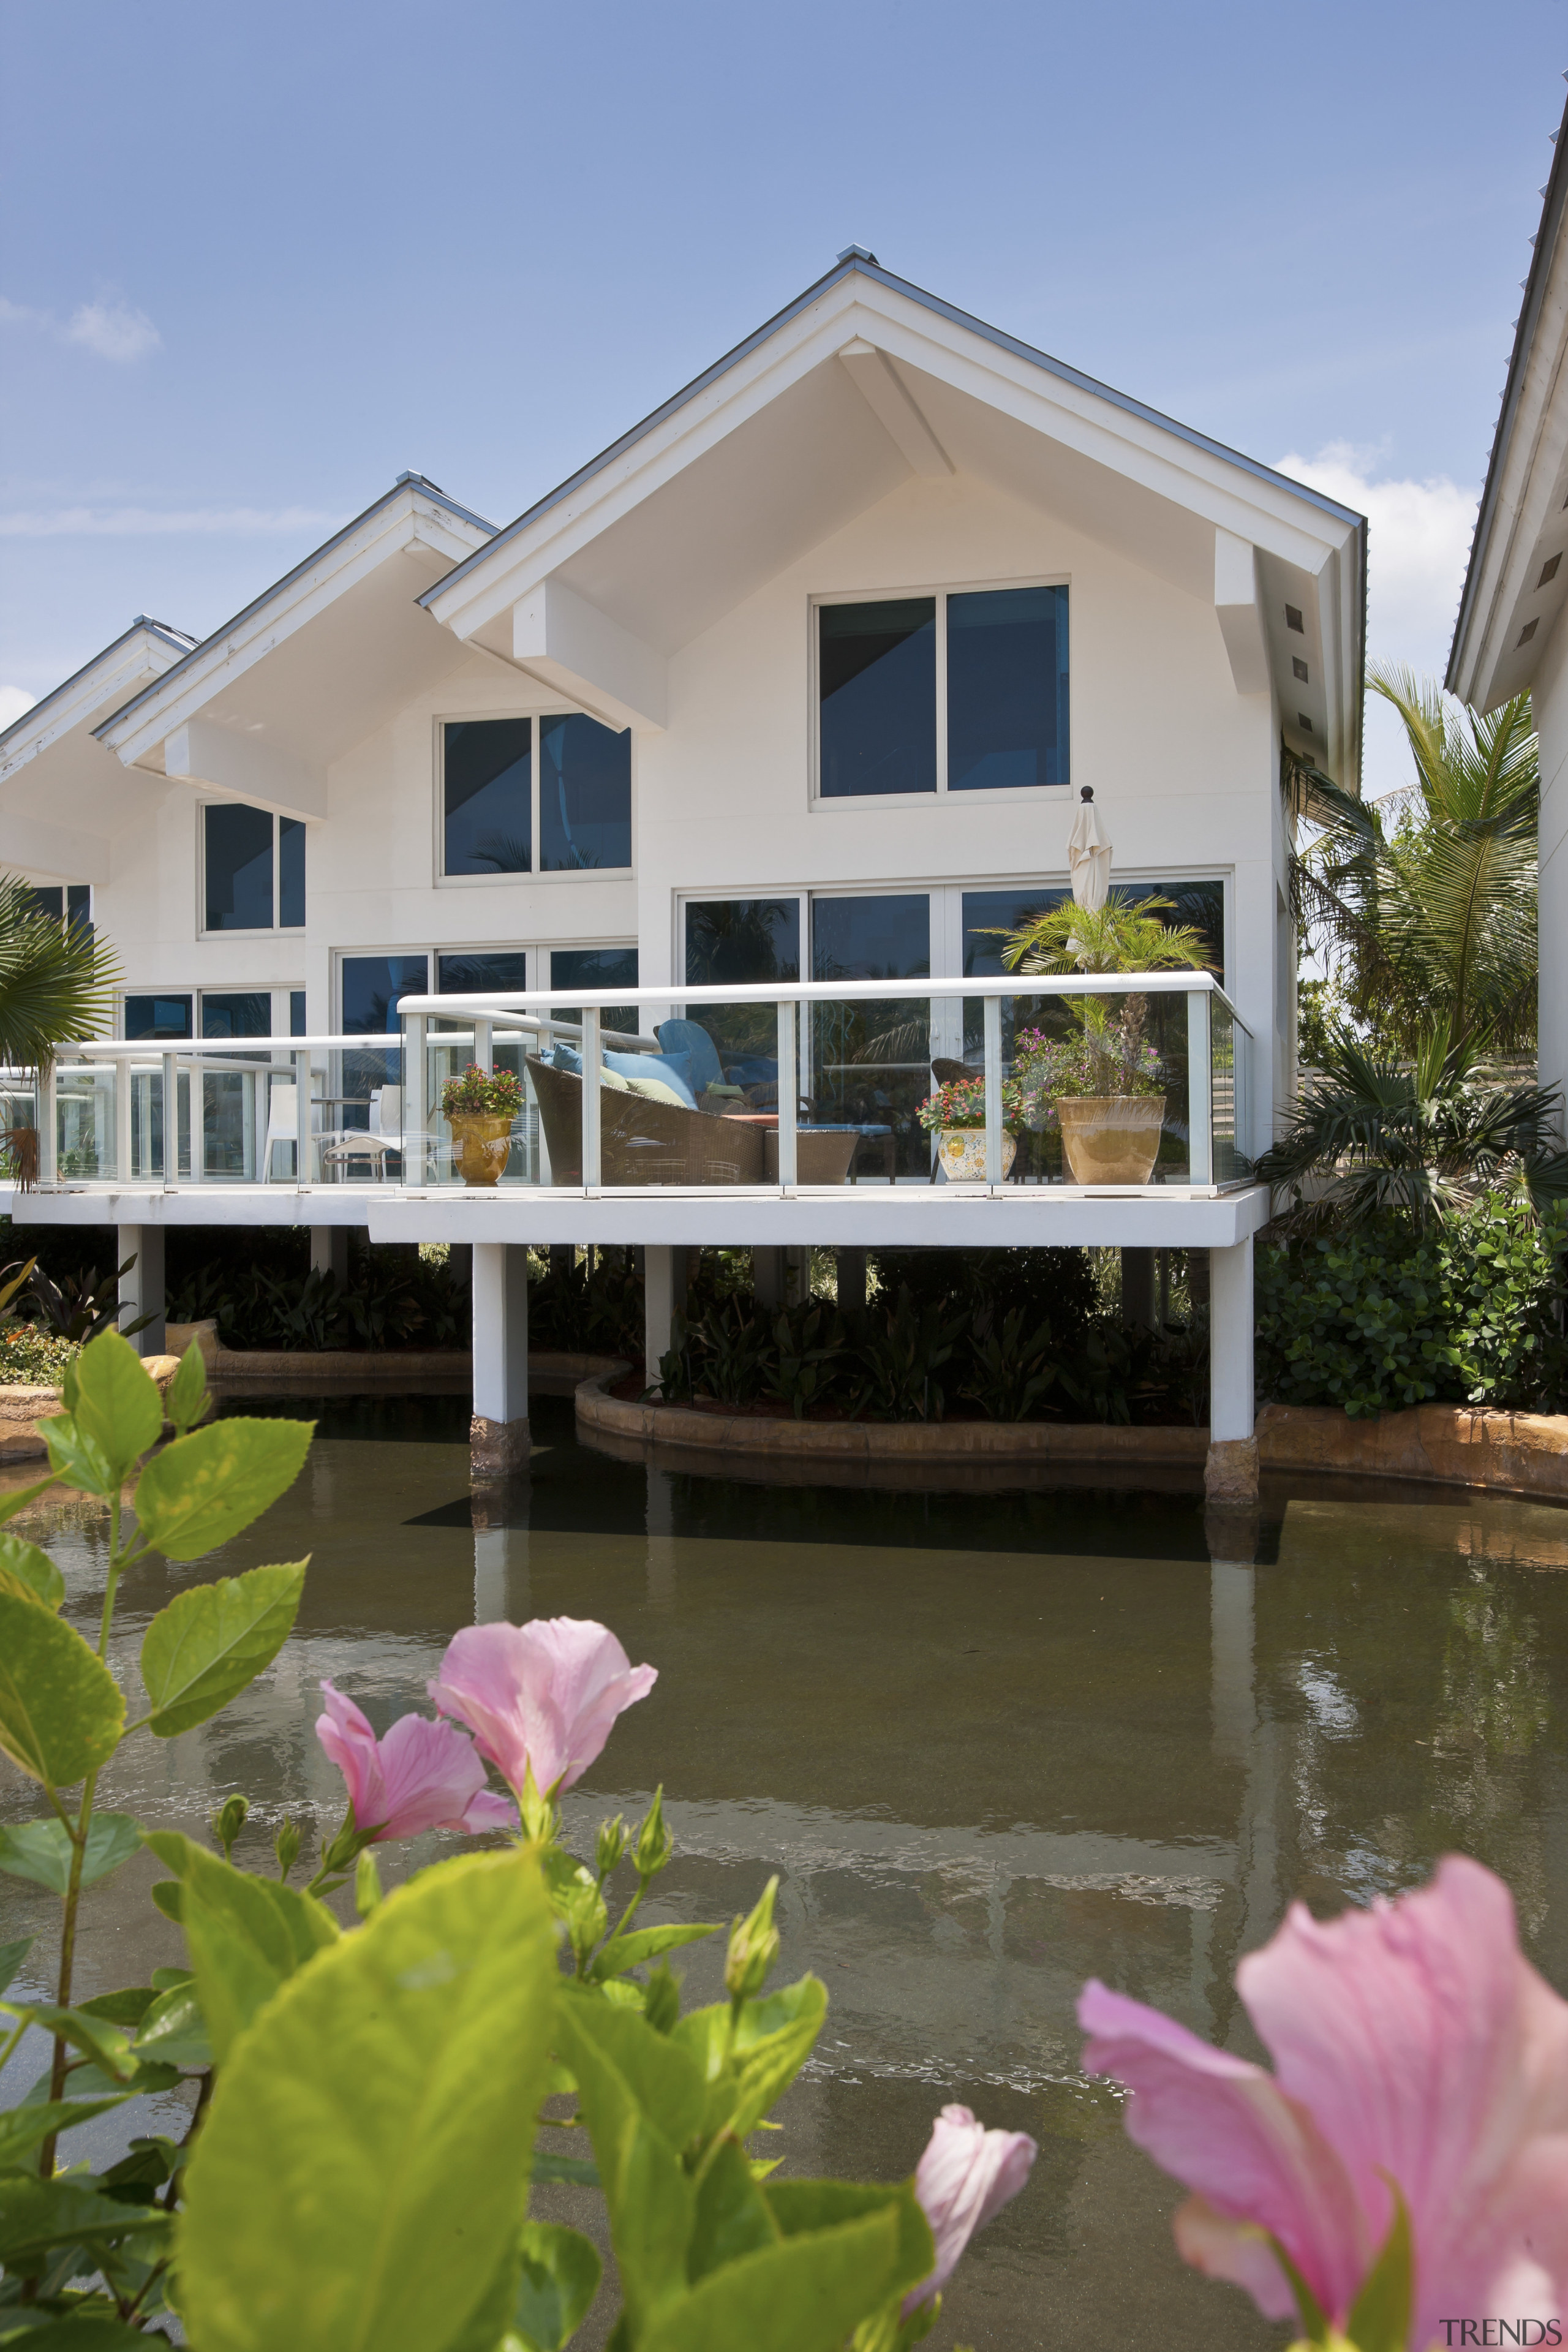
x: 384, y: 1135
x: 282, y: 1125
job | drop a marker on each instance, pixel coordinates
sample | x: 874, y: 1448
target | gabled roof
x: 862, y: 381
x: 132, y: 654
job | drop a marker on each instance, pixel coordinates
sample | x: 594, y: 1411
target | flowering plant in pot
x: 480, y: 1106
x: 955, y: 1115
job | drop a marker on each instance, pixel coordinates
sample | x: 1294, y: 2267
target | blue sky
x: 256, y: 261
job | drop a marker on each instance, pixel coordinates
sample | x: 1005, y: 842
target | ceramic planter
x: 962, y: 1151
x: 1111, y: 1138
x: 481, y: 1144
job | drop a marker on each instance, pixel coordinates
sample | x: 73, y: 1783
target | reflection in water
x: 993, y: 1744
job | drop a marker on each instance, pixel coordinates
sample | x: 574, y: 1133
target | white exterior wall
x: 1549, y: 699
x: 1184, y: 767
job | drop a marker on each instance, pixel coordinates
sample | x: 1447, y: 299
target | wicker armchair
x: 641, y: 1141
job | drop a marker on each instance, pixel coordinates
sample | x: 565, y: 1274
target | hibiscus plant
x: 489, y: 1093
x: 366, y: 2100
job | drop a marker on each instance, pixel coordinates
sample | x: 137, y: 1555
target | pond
x: 992, y: 1743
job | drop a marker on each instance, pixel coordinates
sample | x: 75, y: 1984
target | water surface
x: 992, y: 1743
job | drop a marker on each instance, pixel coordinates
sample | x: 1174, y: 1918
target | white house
x: 799, y: 682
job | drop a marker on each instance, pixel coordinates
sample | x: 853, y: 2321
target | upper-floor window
x: 70, y: 904
x: 948, y: 693
x: 552, y: 795
x: 253, y: 869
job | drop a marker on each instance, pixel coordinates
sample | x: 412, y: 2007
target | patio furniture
x: 822, y: 1154
x: 707, y: 1070
x: 641, y: 1140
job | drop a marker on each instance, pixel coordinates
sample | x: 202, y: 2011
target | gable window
x: 552, y: 795
x: 958, y: 691
x: 253, y: 869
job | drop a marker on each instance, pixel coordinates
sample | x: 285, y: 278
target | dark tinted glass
x: 297, y: 1013
x: 239, y: 868
x: 870, y: 1064
x: 884, y: 937
x: 1006, y: 689
x: 986, y: 912
x: 877, y: 673
x: 585, y: 793
x: 488, y: 788
x: 467, y: 975
x: 157, y: 1016
x: 742, y: 939
x: 79, y: 904
x: 372, y: 986
x: 596, y: 968
x: 290, y: 873
x: 48, y: 902
x: 245, y: 1015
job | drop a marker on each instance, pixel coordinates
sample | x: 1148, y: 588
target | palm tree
x: 56, y: 981
x: 1120, y: 936
x: 1426, y: 899
x: 1370, y: 1134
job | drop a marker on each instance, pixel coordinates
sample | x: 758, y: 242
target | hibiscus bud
x: 286, y: 1846
x: 609, y: 1846
x: 228, y: 1820
x: 661, y: 2000
x: 367, y: 1885
x: 753, y: 1948
x: 655, y: 1844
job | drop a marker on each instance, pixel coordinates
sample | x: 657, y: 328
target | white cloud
x: 151, y: 522
x: 110, y: 328
x: 1419, y: 542
x: 14, y: 701
x: 114, y: 330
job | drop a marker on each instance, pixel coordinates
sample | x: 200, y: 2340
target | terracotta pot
x: 481, y: 1144
x: 1111, y: 1138
x: 962, y: 1151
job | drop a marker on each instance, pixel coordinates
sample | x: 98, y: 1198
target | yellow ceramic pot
x: 481, y: 1144
x: 962, y: 1151
x: 1111, y: 1138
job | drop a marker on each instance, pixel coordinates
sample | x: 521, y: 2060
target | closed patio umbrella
x: 1088, y: 854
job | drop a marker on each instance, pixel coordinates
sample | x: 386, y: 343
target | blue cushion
x: 755, y: 1070
x: 562, y: 1056
x: 690, y: 1037
x: 673, y: 1068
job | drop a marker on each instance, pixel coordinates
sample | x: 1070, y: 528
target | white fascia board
x: 244, y: 767
x: 572, y: 647
x: 134, y: 661
x: 1240, y: 611
x: 33, y: 845
x: 1488, y: 663
x: 410, y: 518
x: 894, y: 407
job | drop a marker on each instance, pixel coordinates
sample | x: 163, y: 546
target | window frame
x: 535, y: 875
x: 996, y: 796
x: 275, y: 929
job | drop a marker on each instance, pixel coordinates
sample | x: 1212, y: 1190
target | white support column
x: 171, y: 1121
x: 416, y: 1115
x: 591, y: 1166
x: 498, y: 1435
x: 664, y: 1296
x: 330, y: 1252
x: 993, y: 1089
x: 49, y: 1130
x: 1231, y: 1474
x: 142, y: 1290
x: 123, y: 1153
x: 304, y: 1144
x: 788, y: 1097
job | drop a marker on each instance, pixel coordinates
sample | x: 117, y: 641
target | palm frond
x: 56, y: 981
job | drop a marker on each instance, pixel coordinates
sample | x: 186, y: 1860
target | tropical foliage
x: 496, y: 1094
x: 1125, y: 935
x: 56, y: 981
x: 1109, y: 1056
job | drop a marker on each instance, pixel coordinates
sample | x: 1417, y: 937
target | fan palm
x: 1120, y: 936
x: 1369, y: 1134
x: 1427, y: 896
x: 56, y: 981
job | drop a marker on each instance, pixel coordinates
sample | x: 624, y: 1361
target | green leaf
x: 41, y: 1851
x: 652, y: 2203
x: 377, y: 2124
x: 95, y: 2330
x: 107, y: 2045
x: 175, y: 2030
x: 170, y: 1897
x: 127, y: 2007
x: 23, y: 1564
x: 561, y: 2274
x: 733, y: 2217
x: 205, y: 1488
x: 11, y: 1504
x: 61, y: 1713
x: 76, y: 1459
x: 624, y: 1952
x: 659, y: 2076
x: 116, y: 1404
x: 187, y: 1399
x: 208, y: 1643
x: 23, y: 2128
x: 806, y: 2295
x: 11, y: 1959
x: 1380, y: 2317
x: 39, y: 2215
x: 246, y: 1935
x: 773, y: 2038
x: 576, y: 2171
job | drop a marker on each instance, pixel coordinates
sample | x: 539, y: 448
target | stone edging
x: 23, y: 1410
x: 1451, y: 1445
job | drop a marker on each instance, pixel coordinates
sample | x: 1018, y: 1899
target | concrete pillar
x: 142, y: 1290
x: 779, y: 1277
x: 330, y: 1252
x: 497, y: 1433
x: 850, y: 1264
x: 1138, y: 1289
x: 664, y: 1297
x: 1230, y: 1475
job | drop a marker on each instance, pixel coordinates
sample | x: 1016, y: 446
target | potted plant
x: 955, y: 1115
x: 1104, y: 1086
x: 480, y: 1107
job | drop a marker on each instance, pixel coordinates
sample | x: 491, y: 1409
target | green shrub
x: 1470, y: 1313
x: 33, y: 1359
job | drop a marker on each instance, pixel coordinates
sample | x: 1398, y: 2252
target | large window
x: 553, y: 792
x: 999, y: 656
x: 158, y: 1018
x: 596, y: 968
x: 70, y: 904
x: 253, y: 869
